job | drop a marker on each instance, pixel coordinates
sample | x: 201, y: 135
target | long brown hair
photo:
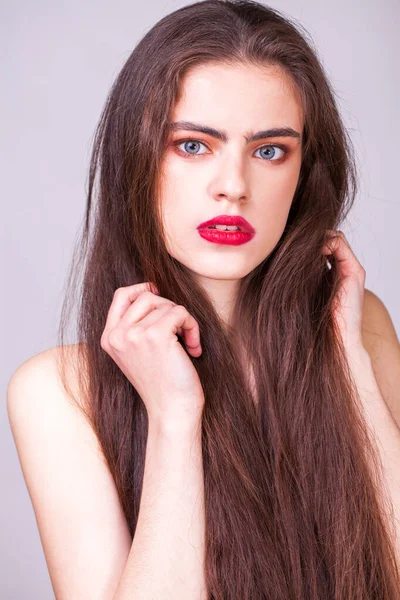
x: 293, y: 507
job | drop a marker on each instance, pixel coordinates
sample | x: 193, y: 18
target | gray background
x: 58, y: 62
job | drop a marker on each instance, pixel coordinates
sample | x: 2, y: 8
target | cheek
x: 175, y: 167
x: 283, y: 186
x: 285, y: 178
x: 273, y: 211
x: 180, y: 196
x: 185, y: 174
x: 277, y: 201
x: 177, y: 217
x: 175, y: 186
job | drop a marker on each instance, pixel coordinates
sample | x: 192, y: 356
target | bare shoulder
x: 41, y: 374
x: 72, y: 491
x: 377, y: 321
x: 36, y: 390
x: 381, y: 341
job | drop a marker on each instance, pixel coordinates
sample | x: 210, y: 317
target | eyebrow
x: 223, y: 136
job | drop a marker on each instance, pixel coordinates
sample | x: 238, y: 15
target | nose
x: 231, y: 181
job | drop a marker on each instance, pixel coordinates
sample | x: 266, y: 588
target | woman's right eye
x: 192, y: 142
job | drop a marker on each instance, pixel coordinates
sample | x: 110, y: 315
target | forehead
x: 241, y: 97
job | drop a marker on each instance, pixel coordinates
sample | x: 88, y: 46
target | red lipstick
x: 235, y: 237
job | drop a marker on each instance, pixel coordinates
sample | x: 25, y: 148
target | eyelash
x: 285, y: 149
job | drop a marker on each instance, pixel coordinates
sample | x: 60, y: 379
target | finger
x: 141, y: 306
x: 180, y: 318
x: 344, y: 255
x: 122, y: 300
x: 145, y: 304
x: 186, y: 323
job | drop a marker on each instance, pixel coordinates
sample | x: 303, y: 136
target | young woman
x: 220, y: 448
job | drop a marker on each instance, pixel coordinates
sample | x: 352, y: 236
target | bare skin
x: 235, y: 175
x: 209, y: 176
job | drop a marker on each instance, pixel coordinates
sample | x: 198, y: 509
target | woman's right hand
x: 140, y: 336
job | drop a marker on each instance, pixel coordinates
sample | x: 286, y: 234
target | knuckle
x: 114, y: 340
x: 148, y: 295
x: 180, y: 308
x: 154, y: 334
x: 360, y: 267
x: 103, y: 341
x: 134, y: 334
x: 361, y: 274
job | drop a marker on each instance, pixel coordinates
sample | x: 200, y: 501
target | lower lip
x: 232, y: 238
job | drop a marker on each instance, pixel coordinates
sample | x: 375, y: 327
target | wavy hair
x: 292, y: 489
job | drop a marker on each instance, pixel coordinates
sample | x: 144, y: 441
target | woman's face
x: 208, y: 177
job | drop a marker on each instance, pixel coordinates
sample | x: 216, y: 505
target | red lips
x: 228, y: 220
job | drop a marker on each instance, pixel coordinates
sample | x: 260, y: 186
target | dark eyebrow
x: 223, y: 137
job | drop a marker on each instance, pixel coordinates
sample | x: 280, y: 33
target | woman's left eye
x: 269, y: 148
x: 283, y: 149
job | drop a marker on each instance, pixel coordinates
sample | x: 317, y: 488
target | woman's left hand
x: 350, y: 299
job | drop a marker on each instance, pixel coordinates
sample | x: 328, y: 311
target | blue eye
x: 192, y: 142
x: 270, y: 148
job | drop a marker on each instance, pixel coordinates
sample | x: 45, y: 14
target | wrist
x: 174, y: 428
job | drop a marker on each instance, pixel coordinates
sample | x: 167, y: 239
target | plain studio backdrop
x: 58, y: 62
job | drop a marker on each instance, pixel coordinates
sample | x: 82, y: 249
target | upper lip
x: 228, y: 220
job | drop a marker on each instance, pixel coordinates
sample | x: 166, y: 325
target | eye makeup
x: 285, y: 149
